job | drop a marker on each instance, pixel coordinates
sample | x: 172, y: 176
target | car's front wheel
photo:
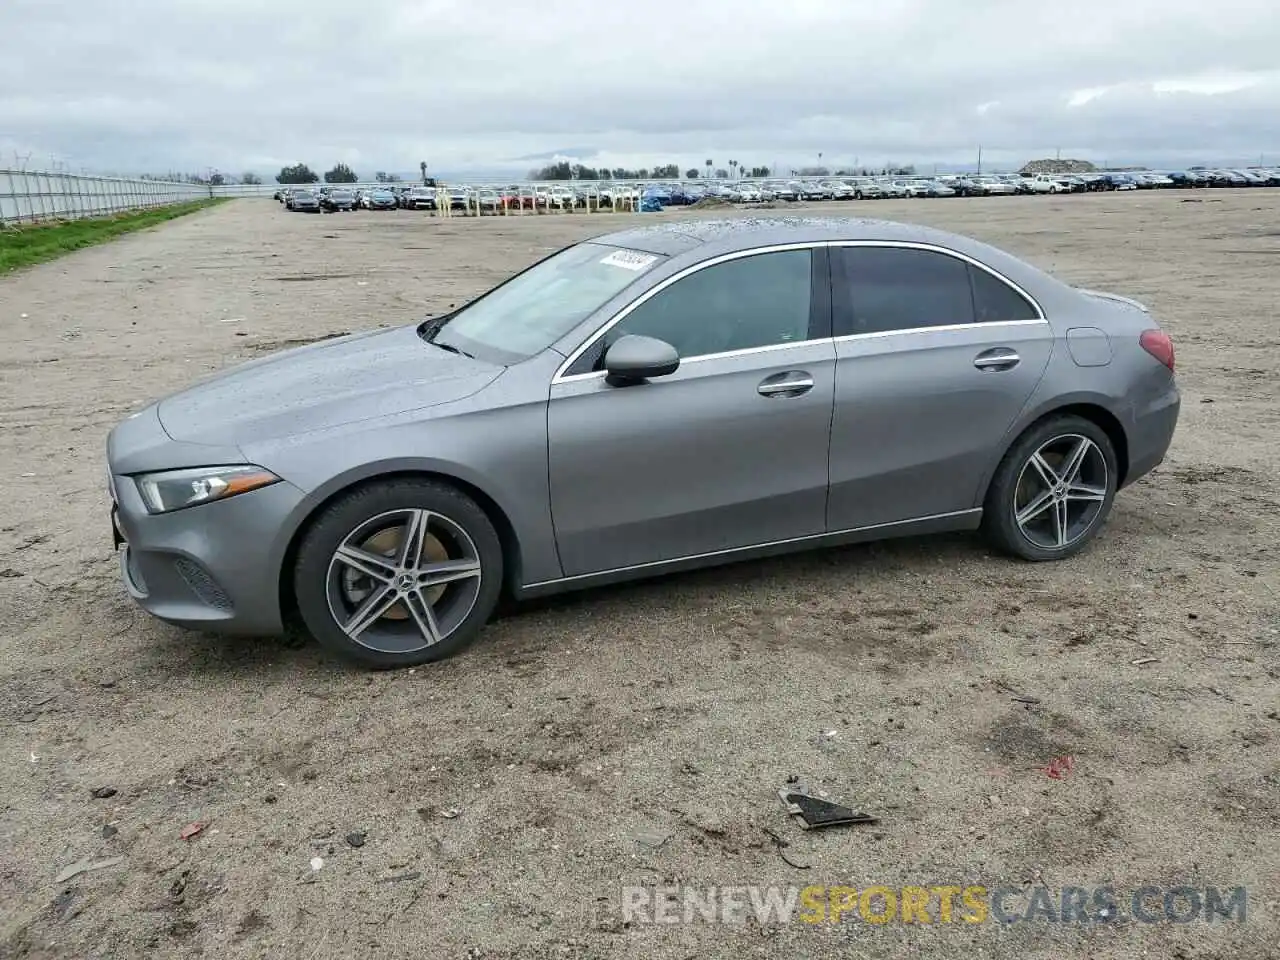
x: 1053, y: 490
x: 398, y: 573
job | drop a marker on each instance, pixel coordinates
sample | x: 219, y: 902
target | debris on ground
x: 356, y: 838
x: 781, y: 846
x: 1143, y: 661
x: 192, y: 830
x: 108, y: 831
x: 86, y: 866
x: 397, y: 877
x: 101, y: 793
x: 814, y: 812
x: 452, y: 813
x: 1029, y: 701
x: 652, y: 838
x: 1059, y: 767
x: 317, y: 863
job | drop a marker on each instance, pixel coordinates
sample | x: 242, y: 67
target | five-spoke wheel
x: 1053, y: 490
x: 397, y: 573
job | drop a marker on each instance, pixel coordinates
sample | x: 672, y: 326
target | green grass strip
x: 27, y: 244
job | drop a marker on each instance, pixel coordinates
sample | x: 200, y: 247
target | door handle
x: 999, y: 358
x: 791, y: 384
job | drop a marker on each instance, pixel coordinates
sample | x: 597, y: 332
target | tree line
x: 300, y: 173
x: 564, y: 170
x: 341, y: 173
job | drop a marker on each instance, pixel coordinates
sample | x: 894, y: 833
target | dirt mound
x: 710, y: 203
x: 1057, y: 166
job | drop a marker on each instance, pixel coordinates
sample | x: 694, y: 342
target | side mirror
x: 634, y: 359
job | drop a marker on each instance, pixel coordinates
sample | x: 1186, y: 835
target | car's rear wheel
x: 1053, y: 490
x: 398, y: 573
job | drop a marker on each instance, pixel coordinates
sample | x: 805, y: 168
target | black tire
x: 316, y: 581
x: 1017, y: 477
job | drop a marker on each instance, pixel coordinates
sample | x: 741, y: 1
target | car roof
x: 729, y: 235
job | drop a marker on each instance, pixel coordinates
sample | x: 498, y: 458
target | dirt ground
x: 639, y: 735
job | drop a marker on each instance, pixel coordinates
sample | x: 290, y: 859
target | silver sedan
x: 657, y: 399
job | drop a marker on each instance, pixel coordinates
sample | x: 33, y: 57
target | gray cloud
x: 187, y: 84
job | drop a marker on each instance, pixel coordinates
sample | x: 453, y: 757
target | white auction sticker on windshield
x: 629, y: 259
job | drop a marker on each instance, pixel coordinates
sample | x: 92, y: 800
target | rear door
x: 936, y: 357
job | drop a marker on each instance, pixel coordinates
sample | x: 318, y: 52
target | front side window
x: 755, y: 301
x: 534, y: 309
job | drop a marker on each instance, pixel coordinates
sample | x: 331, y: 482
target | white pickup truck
x: 1046, y: 183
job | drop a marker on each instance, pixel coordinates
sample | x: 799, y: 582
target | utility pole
x: 979, y: 158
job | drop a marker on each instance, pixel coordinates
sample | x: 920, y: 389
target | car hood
x: 325, y: 384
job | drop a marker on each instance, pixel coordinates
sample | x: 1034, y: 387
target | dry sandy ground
x: 675, y: 709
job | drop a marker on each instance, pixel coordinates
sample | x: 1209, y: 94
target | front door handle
x: 997, y: 358
x: 793, y: 383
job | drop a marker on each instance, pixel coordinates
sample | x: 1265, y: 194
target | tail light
x: 1158, y: 344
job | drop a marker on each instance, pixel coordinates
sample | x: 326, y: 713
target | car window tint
x: 902, y: 288
x: 994, y: 301
x: 754, y: 301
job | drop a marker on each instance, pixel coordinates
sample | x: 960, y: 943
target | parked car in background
x: 459, y: 198
x: 338, y: 200
x: 420, y: 198
x: 864, y: 188
x: 933, y: 188
x: 380, y: 198
x: 810, y: 190
x: 305, y: 201
x: 391, y: 486
x: 992, y: 187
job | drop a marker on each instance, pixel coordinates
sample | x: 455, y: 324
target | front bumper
x: 214, y: 567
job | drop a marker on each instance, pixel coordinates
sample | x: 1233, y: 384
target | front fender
x: 500, y: 453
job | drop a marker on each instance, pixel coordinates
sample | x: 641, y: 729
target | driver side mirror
x: 635, y: 359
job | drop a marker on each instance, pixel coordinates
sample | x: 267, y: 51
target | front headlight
x: 174, y: 489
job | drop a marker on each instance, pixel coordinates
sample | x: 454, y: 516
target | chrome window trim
x: 561, y: 377
x: 947, y: 251
x: 940, y: 328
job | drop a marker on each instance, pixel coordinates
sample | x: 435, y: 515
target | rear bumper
x: 1152, y: 433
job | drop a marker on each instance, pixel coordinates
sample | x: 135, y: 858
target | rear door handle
x: 997, y: 358
x: 793, y: 383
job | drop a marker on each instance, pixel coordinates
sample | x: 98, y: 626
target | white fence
x: 28, y: 196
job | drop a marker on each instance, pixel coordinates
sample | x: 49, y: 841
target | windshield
x: 534, y: 309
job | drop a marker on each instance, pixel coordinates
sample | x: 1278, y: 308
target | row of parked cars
x: 645, y: 196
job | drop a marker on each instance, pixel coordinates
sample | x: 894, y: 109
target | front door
x: 727, y: 452
x: 937, y: 359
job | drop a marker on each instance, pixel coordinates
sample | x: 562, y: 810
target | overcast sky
x: 158, y: 85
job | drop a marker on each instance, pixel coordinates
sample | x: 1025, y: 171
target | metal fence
x: 29, y: 196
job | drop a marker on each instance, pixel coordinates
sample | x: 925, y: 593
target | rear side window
x: 994, y: 301
x: 883, y: 289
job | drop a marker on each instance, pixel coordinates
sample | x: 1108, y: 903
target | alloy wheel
x: 403, y: 580
x: 1061, y: 491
